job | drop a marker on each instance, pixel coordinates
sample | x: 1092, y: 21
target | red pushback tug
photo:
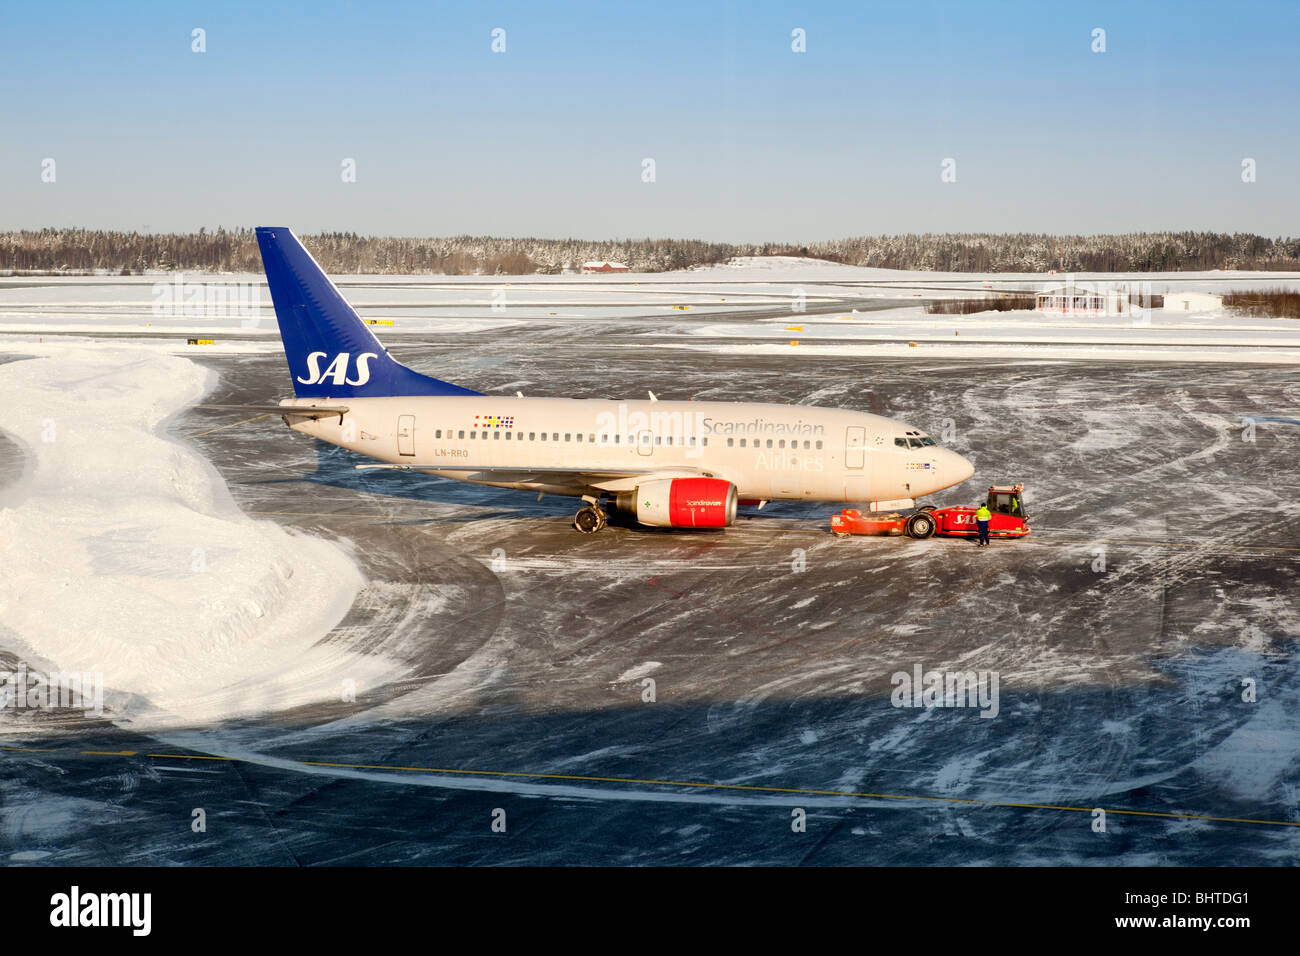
x: 1004, y: 501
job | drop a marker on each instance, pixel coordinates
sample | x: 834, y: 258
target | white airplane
x: 666, y: 464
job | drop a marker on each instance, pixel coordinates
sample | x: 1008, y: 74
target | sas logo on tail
x: 337, y: 369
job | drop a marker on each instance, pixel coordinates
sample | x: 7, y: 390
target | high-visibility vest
x: 983, y: 514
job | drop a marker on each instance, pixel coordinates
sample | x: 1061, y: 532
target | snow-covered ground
x: 783, y: 269
x: 823, y: 306
x: 121, y: 538
x: 122, y: 553
x: 1208, y: 336
x: 487, y: 636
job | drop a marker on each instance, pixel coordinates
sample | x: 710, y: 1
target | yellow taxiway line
x: 232, y: 425
x: 699, y: 785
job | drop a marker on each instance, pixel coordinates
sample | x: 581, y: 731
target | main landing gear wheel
x: 590, y: 520
x: 920, y: 525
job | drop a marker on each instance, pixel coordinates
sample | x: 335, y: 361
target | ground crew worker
x: 982, y: 517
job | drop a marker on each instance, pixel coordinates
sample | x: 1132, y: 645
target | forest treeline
x: 86, y: 250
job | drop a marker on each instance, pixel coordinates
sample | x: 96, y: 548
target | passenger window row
x: 579, y: 438
x: 593, y: 439
x: 780, y: 443
x: 632, y: 439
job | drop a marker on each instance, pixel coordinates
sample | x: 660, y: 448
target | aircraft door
x: 855, y: 460
x: 645, y: 443
x: 855, y: 447
x: 406, y: 434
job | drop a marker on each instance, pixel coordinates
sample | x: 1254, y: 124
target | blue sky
x: 751, y: 141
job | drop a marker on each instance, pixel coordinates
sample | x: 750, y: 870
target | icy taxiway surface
x: 1160, y: 575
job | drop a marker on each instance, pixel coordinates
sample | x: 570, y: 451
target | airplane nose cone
x: 954, y: 469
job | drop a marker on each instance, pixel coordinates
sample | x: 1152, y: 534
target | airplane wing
x: 598, y: 479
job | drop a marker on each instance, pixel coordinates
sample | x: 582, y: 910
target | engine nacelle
x: 682, y: 503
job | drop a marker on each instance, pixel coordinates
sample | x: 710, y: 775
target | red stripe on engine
x: 698, y: 502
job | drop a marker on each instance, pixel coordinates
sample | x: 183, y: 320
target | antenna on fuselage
x: 652, y: 395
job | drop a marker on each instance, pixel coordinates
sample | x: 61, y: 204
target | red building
x: 604, y: 267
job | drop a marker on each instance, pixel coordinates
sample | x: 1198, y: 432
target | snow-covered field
x: 909, y: 332
x: 823, y: 306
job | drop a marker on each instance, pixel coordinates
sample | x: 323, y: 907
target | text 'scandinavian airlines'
x: 666, y: 464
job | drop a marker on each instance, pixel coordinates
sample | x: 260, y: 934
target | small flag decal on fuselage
x: 494, y: 421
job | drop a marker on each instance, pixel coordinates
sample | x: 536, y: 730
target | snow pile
x: 792, y: 267
x: 123, y: 553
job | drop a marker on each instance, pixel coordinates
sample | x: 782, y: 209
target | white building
x: 1085, y: 299
x: 1192, y: 301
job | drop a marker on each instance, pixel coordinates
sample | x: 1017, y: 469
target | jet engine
x: 682, y: 503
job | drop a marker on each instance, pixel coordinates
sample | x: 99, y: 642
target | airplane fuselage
x: 595, y: 446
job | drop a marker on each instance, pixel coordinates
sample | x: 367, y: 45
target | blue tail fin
x: 331, y: 352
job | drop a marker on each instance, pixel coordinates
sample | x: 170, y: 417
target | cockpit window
x: 927, y: 441
x: 915, y: 442
x: 900, y: 442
